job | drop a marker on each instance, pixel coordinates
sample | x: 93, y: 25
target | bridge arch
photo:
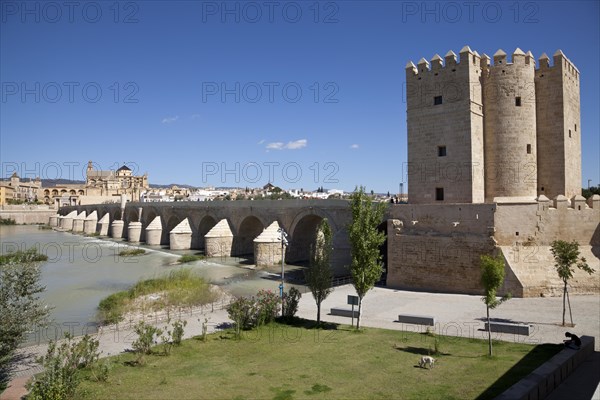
x: 132, y: 215
x: 243, y: 242
x: 204, y: 226
x: 115, y: 215
x: 172, y: 222
x: 303, y: 236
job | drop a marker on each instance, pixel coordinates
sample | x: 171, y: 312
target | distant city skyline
x: 235, y: 94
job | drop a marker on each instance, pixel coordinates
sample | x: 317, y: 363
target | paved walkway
x: 463, y: 315
x: 456, y: 315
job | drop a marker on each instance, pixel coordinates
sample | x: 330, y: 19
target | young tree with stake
x: 566, y: 255
x: 365, y: 239
x: 318, y: 275
x: 492, y: 277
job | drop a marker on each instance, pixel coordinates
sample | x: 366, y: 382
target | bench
x: 416, y: 319
x: 509, y: 327
x: 344, y: 312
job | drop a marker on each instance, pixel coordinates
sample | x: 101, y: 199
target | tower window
x: 437, y: 100
x: 575, y: 127
x: 518, y: 101
x: 569, y: 133
x: 528, y: 149
x: 441, y: 151
x: 439, y: 194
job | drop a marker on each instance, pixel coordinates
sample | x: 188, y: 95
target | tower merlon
x: 499, y: 57
x: 450, y: 58
x: 485, y: 61
x: 436, y: 62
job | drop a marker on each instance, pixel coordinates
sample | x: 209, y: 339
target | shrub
x: 178, y: 331
x: 290, y: 302
x: 267, y: 306
x: 241, y: 311
x: 147, y: 335
x: 61, y: 368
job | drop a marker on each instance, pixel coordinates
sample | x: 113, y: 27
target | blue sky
x: 303, y: 94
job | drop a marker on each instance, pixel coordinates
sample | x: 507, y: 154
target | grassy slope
x: 281, y: 362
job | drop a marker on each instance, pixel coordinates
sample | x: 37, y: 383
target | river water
x: 81, y: 271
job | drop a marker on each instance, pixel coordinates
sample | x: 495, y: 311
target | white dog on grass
x: 426, y: 360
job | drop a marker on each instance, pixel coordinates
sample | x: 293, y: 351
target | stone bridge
x: 220, y: 228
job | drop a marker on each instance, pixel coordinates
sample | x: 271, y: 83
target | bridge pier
x: 134, y: 232
x: 78, y: 222
x: 267, y: 247
x: 154, y: 232
x: 66, y: 222
x: 103, y: 225
x: 219, y: 240
x: 90, y: 223
x: 116, y: 229
x: 180, y: 238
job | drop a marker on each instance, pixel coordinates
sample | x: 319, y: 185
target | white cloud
x: 275, y: 146
x: 261, y: 142
x: 354, y: 146
x: 298, y: 144
x: 168, y: 120
x: 295, y: 145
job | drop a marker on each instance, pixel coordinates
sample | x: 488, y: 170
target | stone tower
x: 509, y: 125
x: 445, y: 129
x: 559, y: 127
x: 482, y: 132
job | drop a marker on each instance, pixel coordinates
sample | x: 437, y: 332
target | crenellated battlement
x: 501, y: 59
x: 560, y: 62
x: 468, y: 58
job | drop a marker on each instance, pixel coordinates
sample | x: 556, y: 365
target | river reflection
x: 81, y: 271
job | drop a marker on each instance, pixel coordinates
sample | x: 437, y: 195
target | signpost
x: 353, y: 300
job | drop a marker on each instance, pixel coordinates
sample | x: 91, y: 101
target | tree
x: 589, y: 192
x: 566, y: 255
x: 492, y: 277
x: 20, y: 306
x: 318, y: 275
x: 366, y: 267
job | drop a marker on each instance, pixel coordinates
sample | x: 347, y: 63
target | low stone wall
x: 541, y: 382
x: 28, y: 216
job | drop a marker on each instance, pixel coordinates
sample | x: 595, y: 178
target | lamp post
x: 284, y: 242
x: 589, y: 183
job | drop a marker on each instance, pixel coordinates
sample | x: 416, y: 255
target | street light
x: 284, y: 242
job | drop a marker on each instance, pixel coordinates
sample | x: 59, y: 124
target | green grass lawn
x: 291, y: 362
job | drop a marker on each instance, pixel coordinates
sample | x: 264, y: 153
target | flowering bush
x: 267, y: 306
x: 255, y: 311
